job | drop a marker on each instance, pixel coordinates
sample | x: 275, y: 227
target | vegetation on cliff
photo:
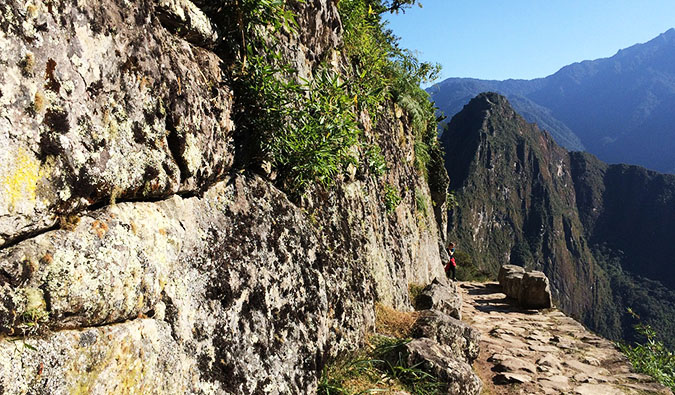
x: 310, y: 130
x: 651, y: 356
x: 236, y: 288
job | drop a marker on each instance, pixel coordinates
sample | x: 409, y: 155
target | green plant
x: 397, y: 5
x: 451, y: 201
x: 410, y: 73
x: 390, y: 358
x: 305, y: 128
x: 308, y: 129
x: 651, y: 356
x: 33, y: 321
x: 421, y: 202
x: 422, y: 156
x: 384, y: 71
x: 379, y: 368
x: 315, y: 143
x: 391, y: 198
x: 375, y: 161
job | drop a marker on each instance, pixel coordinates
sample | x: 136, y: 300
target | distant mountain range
x: 602, y: 233
x: 621, y: 109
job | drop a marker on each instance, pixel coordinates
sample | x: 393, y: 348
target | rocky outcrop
x: 505, y: 270
x: 544, y: 352
x: 453, y: 333
x: 101, y: 103
x: 535, y: 292
x: 530, y: 289
x: 435, y: 359
x: 511, y: 284
x: 441, y: 295
x: 134, y: 257
x: 444, y: 346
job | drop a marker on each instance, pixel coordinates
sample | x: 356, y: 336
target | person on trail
x: 451, y: 266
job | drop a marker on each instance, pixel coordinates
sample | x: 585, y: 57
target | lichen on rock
x: 134, y: 256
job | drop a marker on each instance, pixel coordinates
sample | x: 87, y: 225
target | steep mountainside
x: 162, y: 232
x: 453, y: 93
x: 600, y: 232
x: 620, y: 108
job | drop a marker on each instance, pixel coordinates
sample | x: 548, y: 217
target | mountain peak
x: 668, y: 35
x: 487, y: 103
x: 485, y: 127
x: 618, y: 108
x: 490, y: 99
x: 494, y: 110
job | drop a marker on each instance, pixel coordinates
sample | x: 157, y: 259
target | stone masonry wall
x: 133, y: 257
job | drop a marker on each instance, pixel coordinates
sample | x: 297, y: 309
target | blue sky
x: 500, y: 39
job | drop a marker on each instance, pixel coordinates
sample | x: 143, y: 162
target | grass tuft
x: 391, y: 198
x: 394, y: 323
x: 381, y: 365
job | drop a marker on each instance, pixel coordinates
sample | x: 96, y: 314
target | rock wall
x: 134, y: 257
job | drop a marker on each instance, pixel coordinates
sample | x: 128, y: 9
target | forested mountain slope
x: 600, y: 232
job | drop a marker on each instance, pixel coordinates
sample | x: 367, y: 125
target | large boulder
x: 459, y: 337
x: 511, y: 284
x: 535, y: 292
x: 441, y: 295
x: 507, y: 269
x: 440, y: 362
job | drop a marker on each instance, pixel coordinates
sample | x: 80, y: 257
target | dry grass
x: 390, y: 322
x: 364, y: 370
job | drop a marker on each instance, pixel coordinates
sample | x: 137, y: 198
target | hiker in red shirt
x: 451, y: 266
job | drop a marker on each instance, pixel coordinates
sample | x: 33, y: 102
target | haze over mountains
x: 621, y: 108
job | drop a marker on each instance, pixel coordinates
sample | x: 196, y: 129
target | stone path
x: 543, y: 352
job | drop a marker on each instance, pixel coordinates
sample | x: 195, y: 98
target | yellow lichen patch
x: 117, y: 364
x: 39, y: 102
x: 47, y: 259
x: 69, y: 222
x: 34, y: 299
x: 20, y: 182
x: 28, y: 63
x: 32, y: 11
x: 101, y: 228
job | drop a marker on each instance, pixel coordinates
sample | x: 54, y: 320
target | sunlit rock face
x: 133, y: 257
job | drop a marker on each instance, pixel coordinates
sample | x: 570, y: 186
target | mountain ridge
x: 603, y: 106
